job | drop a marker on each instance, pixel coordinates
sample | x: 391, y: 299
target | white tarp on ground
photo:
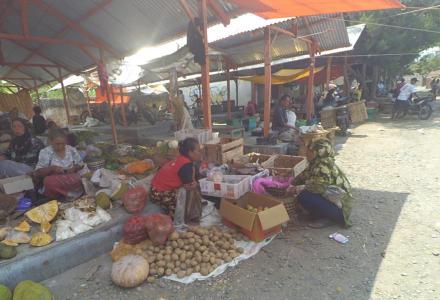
x: 211, y: 217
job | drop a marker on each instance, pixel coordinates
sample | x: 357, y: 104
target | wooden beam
x: 98, y: 42
x: 15, y: 78
x: 288, y: 33
x: 41, y: 39
x: 267, y: 80
x: 36, y: 92
x: 206, y: 97
x: 219, y: 12
x: 310, y: 83
x: 187, y: 9
x: 66, y: 104
x: 24, y: 17
x: 228, y: 93
x: 124, y: 116
x: 11, y: 64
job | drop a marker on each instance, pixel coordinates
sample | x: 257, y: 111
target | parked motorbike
x: 420, y: 106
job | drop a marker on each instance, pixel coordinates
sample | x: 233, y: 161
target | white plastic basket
x: 240, y: 186
x: 202, y: 135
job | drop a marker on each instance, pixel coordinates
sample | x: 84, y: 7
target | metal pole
x: 206, y: 97
x: 228, y: 92
x: 267, y: 80
x: 66, y: 103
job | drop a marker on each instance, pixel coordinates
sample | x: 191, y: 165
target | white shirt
x: 49, y: 158
x: 291, y: 118
x: 406, y: 91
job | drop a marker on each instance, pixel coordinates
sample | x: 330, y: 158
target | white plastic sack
x: 73, y: 214
x: 179, y: 212
x: 79, y: 227
x: 103, y: 215
x: 91, y: 122
x: 63, y: 230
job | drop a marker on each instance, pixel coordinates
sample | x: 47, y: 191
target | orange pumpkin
x: 130, y: 271
x: 138, y: 167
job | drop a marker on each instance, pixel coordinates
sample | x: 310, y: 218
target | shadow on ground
x: 299, y: 264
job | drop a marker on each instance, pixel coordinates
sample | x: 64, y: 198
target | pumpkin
x: 130, y: 271
x: 5, y: 292
x: 29, y: 290
x: 23, y: 226
x: 139, y: 167
x: 43, y: 213
x: 7, y: 252
x: 40, y: 239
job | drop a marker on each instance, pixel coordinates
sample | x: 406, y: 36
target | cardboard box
x: 233, y: 187
x: 13, y: 185
x: 256, y: 226
x: 286, y: 165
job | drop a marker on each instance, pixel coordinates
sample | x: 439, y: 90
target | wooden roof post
x: 228, y: 92
x: 124, y: 116
x: 328, y: 72
x: 267, y: 80
x: 36, y: 92
x: 66, y: 103
x: 206, y: 92
x: 310, y: 92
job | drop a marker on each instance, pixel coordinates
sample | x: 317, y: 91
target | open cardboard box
x: 256, y: 226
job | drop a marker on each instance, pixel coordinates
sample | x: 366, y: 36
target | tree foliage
x: 426, y: 64
x: 388, y: 40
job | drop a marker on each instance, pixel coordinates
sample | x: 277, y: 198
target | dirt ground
x: 394, y: 246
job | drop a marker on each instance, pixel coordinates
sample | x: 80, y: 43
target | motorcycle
x: 420, y: 106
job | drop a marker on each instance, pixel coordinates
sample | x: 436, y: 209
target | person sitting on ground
x: 282, y: 122
x: 405, y: 95
x: 38, y: 121
x: 22, y: 153
x: 59, y: 167
x: 323, y: 190
x: 175, y: 174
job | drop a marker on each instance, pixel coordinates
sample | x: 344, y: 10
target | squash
x: 130, y: 271
x: 43, y: 213
x: 5, y: 292
x: 7, y: 252
x: 40, y: 239
x: 139, y: 167
x: 23, y: 226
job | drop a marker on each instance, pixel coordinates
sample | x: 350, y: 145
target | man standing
x: 405, y: 95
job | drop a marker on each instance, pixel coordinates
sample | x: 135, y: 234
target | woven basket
x: 290, y: 203
x: 357, y: 111
x: 276, y: 192
x: 328, y: 118
x: 95, y: 165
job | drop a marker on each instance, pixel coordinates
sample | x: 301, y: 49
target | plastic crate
x: 202, y: 135
x: 232, y: 187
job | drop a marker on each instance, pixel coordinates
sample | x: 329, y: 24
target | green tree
x: 380, y: 39
x: 426, y: 64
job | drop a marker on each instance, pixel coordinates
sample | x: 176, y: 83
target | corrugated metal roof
x: 247, y: 48
x: 123, y: 25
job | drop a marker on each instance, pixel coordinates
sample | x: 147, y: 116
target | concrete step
x: 38, y: 264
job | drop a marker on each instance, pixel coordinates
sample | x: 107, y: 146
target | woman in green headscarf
x: 323, y: 190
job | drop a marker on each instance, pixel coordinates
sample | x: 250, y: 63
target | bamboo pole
x: 310, y: 94
x: 228, y: 93
x: 66, y: 104
x: 267, y: 81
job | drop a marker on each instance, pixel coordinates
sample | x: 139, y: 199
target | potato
x: 197, y: 253
x: 198, y: 259
x: 227, y: 258
x: 191, y: 248
x: 174, y: 257
x: 168, y: 250
x: 197, y: 245
x: 219, y: 255
x: 240, y: 250
x: 205, y: 253
x: 181, y: 274
x: 151, y: 279
x: 190, y: 235
x: 189, y: 271
x: 160, y: 271
x: 189, y: 254
x: 168, y: 272
x: 218, y: 261
x: 156, y: 249
x: 197, y: 269
x: 214, y: 238
x: 174, y: 236
x: 182, y: 257
x: 151, y: 259
x: 167, y: 257
x: 161, y: 263
x: 186, y: 247
x: 174, y: 244
x: 202, y: 248
x: 204, y: 271
x: 205, y: 258
x: 153, y: 271
x: 183, y: 266
x: 191, y: 240
x: 175, y: 270
x: 214, y: 266
x: 212, y: 260
x: 170, y: 265
x: 180, y: 243
x: 193, y: 263
x: 159, y: 256
x: 210, y: 269
x: 177, y: 263
x: 178, y: 251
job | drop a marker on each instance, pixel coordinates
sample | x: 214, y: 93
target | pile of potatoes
x: 199, y: 250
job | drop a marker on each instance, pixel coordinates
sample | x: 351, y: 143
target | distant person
x: 38, y: 121
x: 281, y: 122
x: 71, y: 138
x: 406, y: 93
x: 15, y: 114
x: 330, y: 98
x: 251, y: 108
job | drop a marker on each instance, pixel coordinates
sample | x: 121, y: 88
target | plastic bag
x: 159, y: 227
x: 334, y: 194
x: 179, y: 211
x: 63, y: 230
x: 134, y: 230
x: 135, y: 199
x: 193, y: 206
